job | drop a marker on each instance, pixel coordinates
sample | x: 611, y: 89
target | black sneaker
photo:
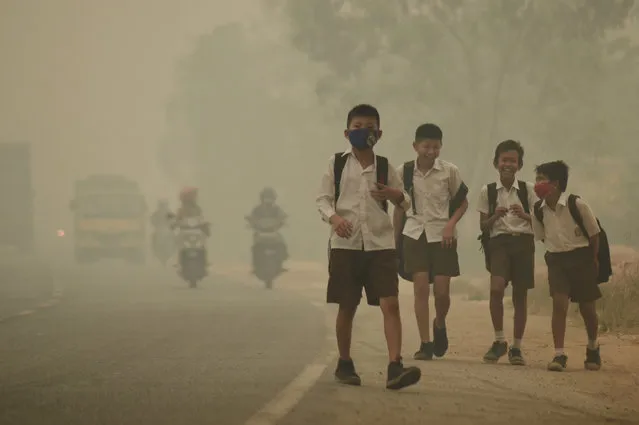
x: 400, y: 377
x: 496, y: 351
x: 593, y: 359
x: 558, y: 364
x: 345, y: 373
x: 440, y: 340
x: 425, y: 352
x: 515, y: 357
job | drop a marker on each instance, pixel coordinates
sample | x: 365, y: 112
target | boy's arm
x: 590, y: 223
x: 396, y: 182
x: 326, y: 195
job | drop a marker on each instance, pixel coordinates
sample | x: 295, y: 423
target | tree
x: 242, y: 116
x: 486, y: 69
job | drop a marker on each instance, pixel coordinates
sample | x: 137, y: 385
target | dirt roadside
x: 459, y: 388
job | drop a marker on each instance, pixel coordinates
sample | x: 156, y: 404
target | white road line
x: 25, y: 313
x: 291, y: 395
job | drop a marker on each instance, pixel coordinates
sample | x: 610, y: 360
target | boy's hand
x: 501, y: 212
x: 386, y: 193
x: 448, y: 235
x: 342, y: 227
x: 518, y: 210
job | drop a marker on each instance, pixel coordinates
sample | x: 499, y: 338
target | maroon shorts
x: 573, y: 273
x: 350, y: 271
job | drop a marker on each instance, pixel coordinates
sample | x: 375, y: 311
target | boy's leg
x: 416, y: 262
x: 344, y: 289
x: 523, y: 279
x: 499, y: 276
x: 559, y: 285
x: 585, y: 291
x: 382, y: 287
x: 445, y: 264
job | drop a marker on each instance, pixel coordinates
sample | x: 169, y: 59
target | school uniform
x: 571, y: 262
x: 432, y: 193
x: 511, y: 244
x: 367, y: 260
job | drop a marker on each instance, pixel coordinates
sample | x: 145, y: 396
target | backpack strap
x: 382, y: 175
x: 576, y: 215
x: 408, y: 174
x: 539, y: 213
x: 492, y: 198
x: 338, y: 167
x: 522, y: 193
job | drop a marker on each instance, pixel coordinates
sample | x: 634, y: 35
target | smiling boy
x: 504, y: 218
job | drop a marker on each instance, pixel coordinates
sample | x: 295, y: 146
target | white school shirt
x: 559, y: 231
x: 509, y: 223
x: 372, y: 227
x: 432, y: 193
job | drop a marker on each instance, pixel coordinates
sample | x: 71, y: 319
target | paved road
x: 132, y: 346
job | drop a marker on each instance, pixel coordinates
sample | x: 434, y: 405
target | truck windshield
x: 110, y: 206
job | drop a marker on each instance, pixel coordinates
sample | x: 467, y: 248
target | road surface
x: 134, y: 346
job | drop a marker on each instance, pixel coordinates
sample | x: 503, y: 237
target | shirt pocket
x: 438, y: 191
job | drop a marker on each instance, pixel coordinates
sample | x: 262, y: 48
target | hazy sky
x: 87, y: 81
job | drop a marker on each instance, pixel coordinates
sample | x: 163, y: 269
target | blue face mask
x: 363, y: 138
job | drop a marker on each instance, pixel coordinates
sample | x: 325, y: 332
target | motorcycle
x: 163, y: 244
x: 192, y: 253
x: 269, y: 248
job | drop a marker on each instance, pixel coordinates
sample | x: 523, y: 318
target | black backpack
x: 484, y: 237
x: 605, y: 263
x: 338, y: 168
x: 454, y: 204
x: 382, y: 173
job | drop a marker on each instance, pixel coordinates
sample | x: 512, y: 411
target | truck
x: 109, y: 219
x: 16, y: 197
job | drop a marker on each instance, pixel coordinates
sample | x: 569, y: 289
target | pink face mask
x: 543, y: 189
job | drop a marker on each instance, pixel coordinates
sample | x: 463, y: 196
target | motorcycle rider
x: 189, y: 208
x: 267, y: 211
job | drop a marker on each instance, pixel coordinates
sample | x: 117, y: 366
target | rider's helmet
x: 268, y: 195
x: 188, y: 194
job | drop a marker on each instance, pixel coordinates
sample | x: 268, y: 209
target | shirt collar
x: 563, y: 199
x: 437, y: 166
x: 500, y: 185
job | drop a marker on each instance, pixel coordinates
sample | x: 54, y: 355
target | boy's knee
x: 441, y: 287
x: 346, y: 311
x: 520, y: 297
x: 497, y: 294
x: 389, y: 306
x: 560, y: 302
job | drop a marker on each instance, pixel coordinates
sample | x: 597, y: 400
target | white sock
x: 516, y: 343
x: 592, y: 344
x: 499, y: 336
x: 559, y: 351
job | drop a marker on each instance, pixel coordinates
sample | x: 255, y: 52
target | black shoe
x: 400, y: 377
x: 425, y: 352
x: 440, y: 340
x: 558, y: 363
x: 515, y: 357
x: 593, y: 359
x: 496, y: 351
x: 345, y: 373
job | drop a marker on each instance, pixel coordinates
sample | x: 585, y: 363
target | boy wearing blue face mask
x: 353, y: 198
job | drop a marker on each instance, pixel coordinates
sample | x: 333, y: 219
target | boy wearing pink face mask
x: 571, y: 257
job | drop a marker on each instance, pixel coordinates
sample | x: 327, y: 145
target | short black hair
x: 428, y: 131
x: 507, y: 146
x: 362, y: 110
x: 556, y: 171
